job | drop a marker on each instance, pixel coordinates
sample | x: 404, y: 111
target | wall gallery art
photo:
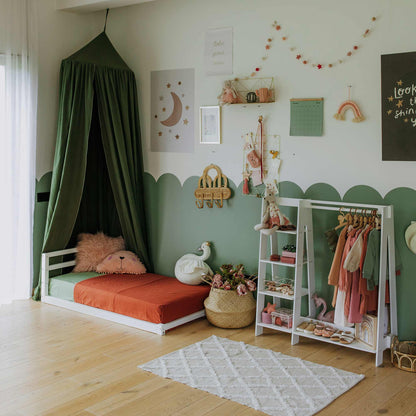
x: 398, y: 97
x: 172, y: 107
x: 218, y: 52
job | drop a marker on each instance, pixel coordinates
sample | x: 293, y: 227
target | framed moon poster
x: 172, y: 107
x: 398, y: 98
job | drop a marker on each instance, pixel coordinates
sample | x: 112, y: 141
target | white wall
x: 169, y: 34
x: 60, y: 35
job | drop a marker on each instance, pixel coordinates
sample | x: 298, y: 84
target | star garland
x: 302, y: 57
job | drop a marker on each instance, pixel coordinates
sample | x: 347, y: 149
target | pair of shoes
x: 319, y: 329
x: 310, y: 328
x: 328, y: 332
x: 336, y: 336
x: 303, y: 326
x: 346, y: 337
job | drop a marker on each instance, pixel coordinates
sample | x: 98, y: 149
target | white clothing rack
x: 304, y: 233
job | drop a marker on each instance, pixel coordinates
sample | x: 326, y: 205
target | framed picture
x: 210, y: 124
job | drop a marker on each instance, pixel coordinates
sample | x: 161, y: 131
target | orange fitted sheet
x: 149, y: 297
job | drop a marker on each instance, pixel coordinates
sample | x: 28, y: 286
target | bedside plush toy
x: 272, y: 218
x: 121, y: 262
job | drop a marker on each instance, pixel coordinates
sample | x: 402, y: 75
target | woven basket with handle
x: 225, y: 309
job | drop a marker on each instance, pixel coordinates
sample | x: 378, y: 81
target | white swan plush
x: 190, y: 267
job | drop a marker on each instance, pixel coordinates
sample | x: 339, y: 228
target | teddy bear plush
x: 272, y: 218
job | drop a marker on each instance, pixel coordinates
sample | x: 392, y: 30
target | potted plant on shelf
x: 230, y: 303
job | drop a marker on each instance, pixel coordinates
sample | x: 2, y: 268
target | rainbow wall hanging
x: 349, y: 105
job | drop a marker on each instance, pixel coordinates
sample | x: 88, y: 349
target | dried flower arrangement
x: 232, y: 278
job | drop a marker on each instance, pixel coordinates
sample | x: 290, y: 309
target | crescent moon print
x: 172, y: 111
x: 176, y: 112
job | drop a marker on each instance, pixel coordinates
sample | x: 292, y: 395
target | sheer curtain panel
x: 18, y: 95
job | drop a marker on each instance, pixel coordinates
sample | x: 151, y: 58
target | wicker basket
x: 403, y: 354
x: 225, y: 309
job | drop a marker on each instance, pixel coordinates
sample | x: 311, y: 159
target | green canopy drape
x: 97, y: 180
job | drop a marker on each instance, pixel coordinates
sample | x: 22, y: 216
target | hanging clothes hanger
x: 341, y: 220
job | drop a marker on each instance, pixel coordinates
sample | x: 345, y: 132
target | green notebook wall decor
x: 306, y: 116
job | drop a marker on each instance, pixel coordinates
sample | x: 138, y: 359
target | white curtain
x: 18, y: 96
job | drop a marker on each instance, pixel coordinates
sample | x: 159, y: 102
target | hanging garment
x: 333, y: 276
x: 352, y: 261
x: 371, y: 265
x: 349, y: 275
x: 368, y: 302
x: 339, y: 316
x: 352, y: 265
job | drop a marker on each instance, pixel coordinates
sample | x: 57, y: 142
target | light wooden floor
x: 56, y: 362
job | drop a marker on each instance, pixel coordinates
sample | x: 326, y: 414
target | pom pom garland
x: 299, y: 55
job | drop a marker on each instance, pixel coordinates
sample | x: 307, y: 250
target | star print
x: 168, y: 85
x: 399, y: 104
x: 163, y: 109
x: 390, y: 98
x: 161, y: 98
x: 298, y: 56
x: 389, y: 112
x: 399, y: 82
x: 160, y: 133
x: 319, y: 66
x: 186, y: 122
x: 177, y: 137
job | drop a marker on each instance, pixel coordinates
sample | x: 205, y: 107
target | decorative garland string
x: 302, y: 57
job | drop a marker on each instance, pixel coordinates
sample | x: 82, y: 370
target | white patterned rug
x: 271, y: 382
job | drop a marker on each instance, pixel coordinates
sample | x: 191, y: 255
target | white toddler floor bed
x: 157, y: 328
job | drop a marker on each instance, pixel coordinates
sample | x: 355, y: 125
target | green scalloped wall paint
x: 177, y: 227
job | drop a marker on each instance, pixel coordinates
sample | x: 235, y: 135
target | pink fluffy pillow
x: 92, y: 249
x: 121, y: 262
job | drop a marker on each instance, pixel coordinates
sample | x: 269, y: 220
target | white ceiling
x: 87, y: 6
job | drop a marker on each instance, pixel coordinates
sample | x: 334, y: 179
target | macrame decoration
x: 261, y: 161
x: 302, y: 56
x: 349, y: 105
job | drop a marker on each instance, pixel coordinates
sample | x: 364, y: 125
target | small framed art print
x: 210, y: 124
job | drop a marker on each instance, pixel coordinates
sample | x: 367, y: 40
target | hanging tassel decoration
x: 245, y: 186
x: 261, y: 145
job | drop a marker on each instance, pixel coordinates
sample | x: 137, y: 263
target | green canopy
x: 97, y: 180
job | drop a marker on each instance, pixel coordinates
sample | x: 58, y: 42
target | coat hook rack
x: 212, y: 190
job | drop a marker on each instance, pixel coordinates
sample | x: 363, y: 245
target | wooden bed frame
x: 159, y: 329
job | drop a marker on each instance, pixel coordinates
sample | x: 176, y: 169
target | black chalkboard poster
x: 398, y: 98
